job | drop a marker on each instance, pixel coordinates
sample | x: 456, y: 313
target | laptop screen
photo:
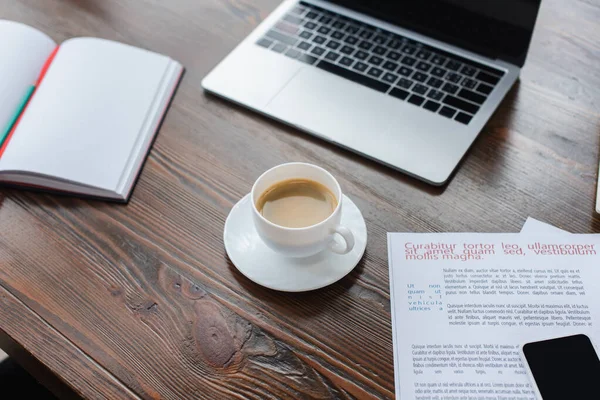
x: 494, y: 28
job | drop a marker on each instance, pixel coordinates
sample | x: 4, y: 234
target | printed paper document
x: 463, y: 304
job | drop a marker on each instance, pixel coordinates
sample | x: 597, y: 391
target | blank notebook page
x: 85, y: 118
x: 23, y: 51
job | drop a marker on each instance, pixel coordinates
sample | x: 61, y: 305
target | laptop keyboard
x: 408, y: 70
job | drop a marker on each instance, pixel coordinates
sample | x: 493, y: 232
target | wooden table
x: 141, y: 301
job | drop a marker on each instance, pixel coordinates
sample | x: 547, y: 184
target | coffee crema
x: 296, y: 203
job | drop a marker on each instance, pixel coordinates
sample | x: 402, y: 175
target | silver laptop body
x: 317, y: 97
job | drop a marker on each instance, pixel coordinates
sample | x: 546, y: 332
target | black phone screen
x: 564, y: 368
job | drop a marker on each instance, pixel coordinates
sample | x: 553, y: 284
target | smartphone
x: 563, y: 368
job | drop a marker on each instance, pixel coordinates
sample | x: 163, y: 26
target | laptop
x: 408, y: 83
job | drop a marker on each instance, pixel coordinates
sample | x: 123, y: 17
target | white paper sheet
x: 463, y: 304
x: 533, y: 226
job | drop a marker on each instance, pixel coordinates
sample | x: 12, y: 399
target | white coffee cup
x: 302, y: 242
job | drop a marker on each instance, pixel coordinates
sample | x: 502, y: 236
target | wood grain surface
x: 50, y: 357
x: 146, y: 293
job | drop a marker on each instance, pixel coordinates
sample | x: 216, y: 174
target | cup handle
x: 348, y: 238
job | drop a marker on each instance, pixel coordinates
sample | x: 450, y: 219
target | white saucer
x: 260, y: 264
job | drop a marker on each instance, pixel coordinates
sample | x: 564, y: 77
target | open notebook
x: 78, y: 118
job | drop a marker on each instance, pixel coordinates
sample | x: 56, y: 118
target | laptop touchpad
x: 332, y: 107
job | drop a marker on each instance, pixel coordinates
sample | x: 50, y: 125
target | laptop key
x: 319, y: 40
x: 484, y: 76
x: 416, y: 99
x: 333, y: 45
x: 453, y: 65
x: 325, y: 19
x: 351, y: 40
x: 468, y: 70
x: 332, y: 56
x: 423, y: 54
x: 366, y: 34
x: 408, y: 61
x: 460, y: 104
x: 447, y: 112
x: 405, y: 71
x: 471, y: 96
x: 353, y: 76
x: 293, y: 19
x: 379, y: 39
x: 420, y: 89
x: 287, y: 28
x: 312, y: 15
x: 361, y: 55
x: 310, y: 25
x: 264, y: 42
x: 432, y: 106
x: 419, y: 76
x: 453, y: 77
x: 375, y: 72
x: 409, y: 50
x: 279, y: 48
x: 346, y: 61
x: 435, y: 94
x: 360, y: 66
x: 469, y: 83
x: 404, y: 83
x: 380, y: 50
x: 375, y: 60
x: 450, y: 88
x: 293, y: 53
x: 394, y: 56
x: 338, y: 24
x: 365, y: 45
x: 352, y: 29
x: 304, y: 46
x: 464, y: 118
x: 337, y: 35
x: 390, y: 78
x: 390, y: 66
x: 437, y: 60
x: 435, y: 82
x: 399, y: 93
x: 305, y: 35
x: 306, y: 58
x: 394, y: 44
x: 347, y: 50
x: 423, y: 66
x: 439, y: 72
x: 318, y: 51
x: 485, y: 89
x: 280, y: 37
x: 324, y: 30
